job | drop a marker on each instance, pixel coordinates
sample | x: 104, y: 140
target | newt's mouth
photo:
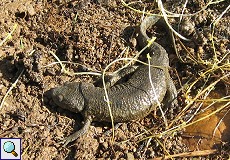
x: 49, y: 93
x: 55, y: 95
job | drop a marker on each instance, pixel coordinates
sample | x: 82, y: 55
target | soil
x: 89, y: 35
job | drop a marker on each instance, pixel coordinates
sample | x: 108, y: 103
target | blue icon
x: 9, y: 147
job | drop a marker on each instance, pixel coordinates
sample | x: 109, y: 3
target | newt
x: 131, y: 100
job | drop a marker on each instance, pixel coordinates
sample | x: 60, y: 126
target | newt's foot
x: 65, y: 141
x: 171, y: 94
x: 77, y: 134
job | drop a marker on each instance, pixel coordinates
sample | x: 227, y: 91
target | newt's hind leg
x: 120, y: 75
x: 171, y: 99
x: 111, y: 80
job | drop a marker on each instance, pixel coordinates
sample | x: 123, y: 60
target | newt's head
x: 69, y: 96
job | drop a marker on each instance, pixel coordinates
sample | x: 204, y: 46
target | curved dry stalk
x: 9, y: 35
x: 154, y: 91
x: 67, y: 62
x: 14, y: 84
x: 65, y: 71
x: 9, y: 90
x: 189, y: 154
x: 161, y: 8
x: 171, y: 14
x: 184, y: 125
x: 106, y: 93
x: 136, y: 56
x: 221, y: 120
x: 212, y: 35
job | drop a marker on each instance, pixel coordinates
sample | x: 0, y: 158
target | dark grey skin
x: 130, y: 100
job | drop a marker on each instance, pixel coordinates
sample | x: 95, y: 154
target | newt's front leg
x: 77, y: 134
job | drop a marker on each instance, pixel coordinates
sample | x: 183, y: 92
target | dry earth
x: 93, y: 33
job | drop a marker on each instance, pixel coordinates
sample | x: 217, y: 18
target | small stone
x: 30, y: 10
x: 130, y: 156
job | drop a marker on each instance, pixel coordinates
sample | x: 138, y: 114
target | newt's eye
x: 60, y: 97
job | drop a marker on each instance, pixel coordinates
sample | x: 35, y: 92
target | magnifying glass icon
x: 9, y: 147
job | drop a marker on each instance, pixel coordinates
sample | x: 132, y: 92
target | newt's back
x: 131, y: 100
